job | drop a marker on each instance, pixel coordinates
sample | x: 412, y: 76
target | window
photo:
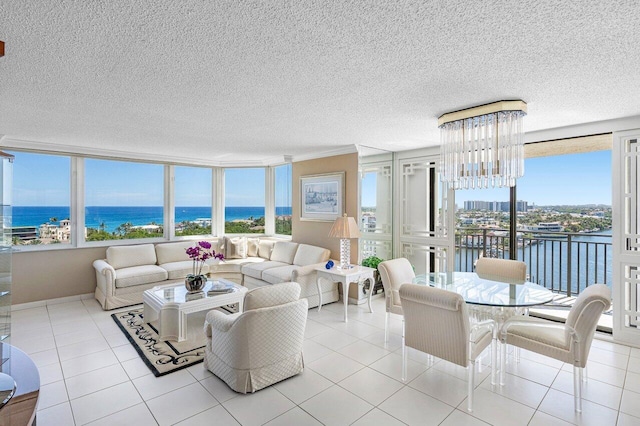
x: 123, y: 200
x: 565, y: 227
x: 41, y: 199
x: 193, y: 200
x: 482, y: 225
x: 244, y: 200
x: 283, y: 199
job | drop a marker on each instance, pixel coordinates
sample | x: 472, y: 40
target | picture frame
x: 322, y: 197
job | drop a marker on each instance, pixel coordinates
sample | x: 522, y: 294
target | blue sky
x: 571, y: 179
x: 43, y: 180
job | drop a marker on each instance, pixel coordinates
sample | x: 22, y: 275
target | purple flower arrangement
x: 199, y: 254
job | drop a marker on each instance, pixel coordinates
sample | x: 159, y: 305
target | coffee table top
x: 177, y: 293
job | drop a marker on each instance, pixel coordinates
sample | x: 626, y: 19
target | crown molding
x: 347, y: 149
x: 20, y: 144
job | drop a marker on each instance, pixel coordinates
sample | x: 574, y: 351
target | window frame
x: 77, y: 202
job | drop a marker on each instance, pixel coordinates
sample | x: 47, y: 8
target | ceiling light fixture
x: 483, y: 146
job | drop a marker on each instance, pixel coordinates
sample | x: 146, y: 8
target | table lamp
x: 345, y: 228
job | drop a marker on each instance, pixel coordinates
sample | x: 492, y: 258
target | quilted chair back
x: 584, y: 316
x: 511, y: 271
x: 394, y: 273
x: 436, y: 322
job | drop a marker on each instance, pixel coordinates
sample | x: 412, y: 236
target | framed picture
x: 322, y: 196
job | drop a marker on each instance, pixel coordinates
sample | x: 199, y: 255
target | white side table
x: 355, y: 274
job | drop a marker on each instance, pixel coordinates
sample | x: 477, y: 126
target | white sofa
x: 128, y: 271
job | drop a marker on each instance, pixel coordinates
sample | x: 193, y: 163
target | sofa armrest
x: 105, y: 276
x: 301, y: 272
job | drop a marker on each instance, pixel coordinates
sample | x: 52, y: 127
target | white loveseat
x: 128, y: 271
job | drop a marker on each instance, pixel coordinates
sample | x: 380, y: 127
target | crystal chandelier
x: 483, y: 146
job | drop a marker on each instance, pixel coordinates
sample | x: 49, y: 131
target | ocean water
x: 112, y: 217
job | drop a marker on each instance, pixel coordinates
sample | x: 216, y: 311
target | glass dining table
x: 488, y: 290
x: 490, y: 297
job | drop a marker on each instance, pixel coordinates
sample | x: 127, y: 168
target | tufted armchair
x: 262, y: 345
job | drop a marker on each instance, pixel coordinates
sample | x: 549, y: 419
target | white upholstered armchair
x: 569, y: 342
x: 437, y: 323
x: 262, y: 345
x: 394, y: 273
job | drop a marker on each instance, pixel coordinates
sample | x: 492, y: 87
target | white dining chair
x: 394, y: 273
x: 569, y: 342
x: 506, y: 270
x: 437, y: 323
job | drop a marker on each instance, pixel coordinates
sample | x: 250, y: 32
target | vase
x: 195, y: 283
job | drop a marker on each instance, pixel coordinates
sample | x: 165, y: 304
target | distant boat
x: 542, y: 227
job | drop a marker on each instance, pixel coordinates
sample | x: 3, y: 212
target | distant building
x: 24, y: 233
x: 495, y: 206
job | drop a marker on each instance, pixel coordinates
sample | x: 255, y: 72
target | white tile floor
x: 91, y: 375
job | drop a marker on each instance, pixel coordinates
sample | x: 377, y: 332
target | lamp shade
x: 345, y: 227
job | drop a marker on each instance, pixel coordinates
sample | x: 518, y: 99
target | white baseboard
x: 57, y: 301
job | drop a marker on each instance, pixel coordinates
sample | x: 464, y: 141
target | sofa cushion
x: 265, y: 247
x: 252, y: 247
x: 265, y: 297
x: 255, y: 269
x: 128, y: 256
x: 284, y: 251
x: 236, y: 248
x: 308, y: 255
x: 137, y: 275
x: 178, y: 270
x: 173, y: 252
x: 233, y: 265
x: 279, y: 274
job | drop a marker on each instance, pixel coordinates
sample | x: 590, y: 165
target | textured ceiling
x: 240, y: 81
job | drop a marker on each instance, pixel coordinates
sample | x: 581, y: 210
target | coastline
x: 111, y: 217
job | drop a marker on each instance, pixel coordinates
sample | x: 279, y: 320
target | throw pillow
x: 236, y: 248
x: 252, y: 246
x: 264, y: 248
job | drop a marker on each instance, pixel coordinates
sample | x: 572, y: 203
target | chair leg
x: 577, y: 388
x: 404, y: 360
x: 386, y: 327
x: 503, y: 361
x: 494, y: 360
x: 470, y: 386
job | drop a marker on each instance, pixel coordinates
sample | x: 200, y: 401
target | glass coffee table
x: 171, y: 304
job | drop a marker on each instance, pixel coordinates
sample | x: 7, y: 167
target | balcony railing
x: 563, y: 262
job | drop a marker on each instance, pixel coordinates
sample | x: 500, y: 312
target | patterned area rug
x: 162, y: 356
